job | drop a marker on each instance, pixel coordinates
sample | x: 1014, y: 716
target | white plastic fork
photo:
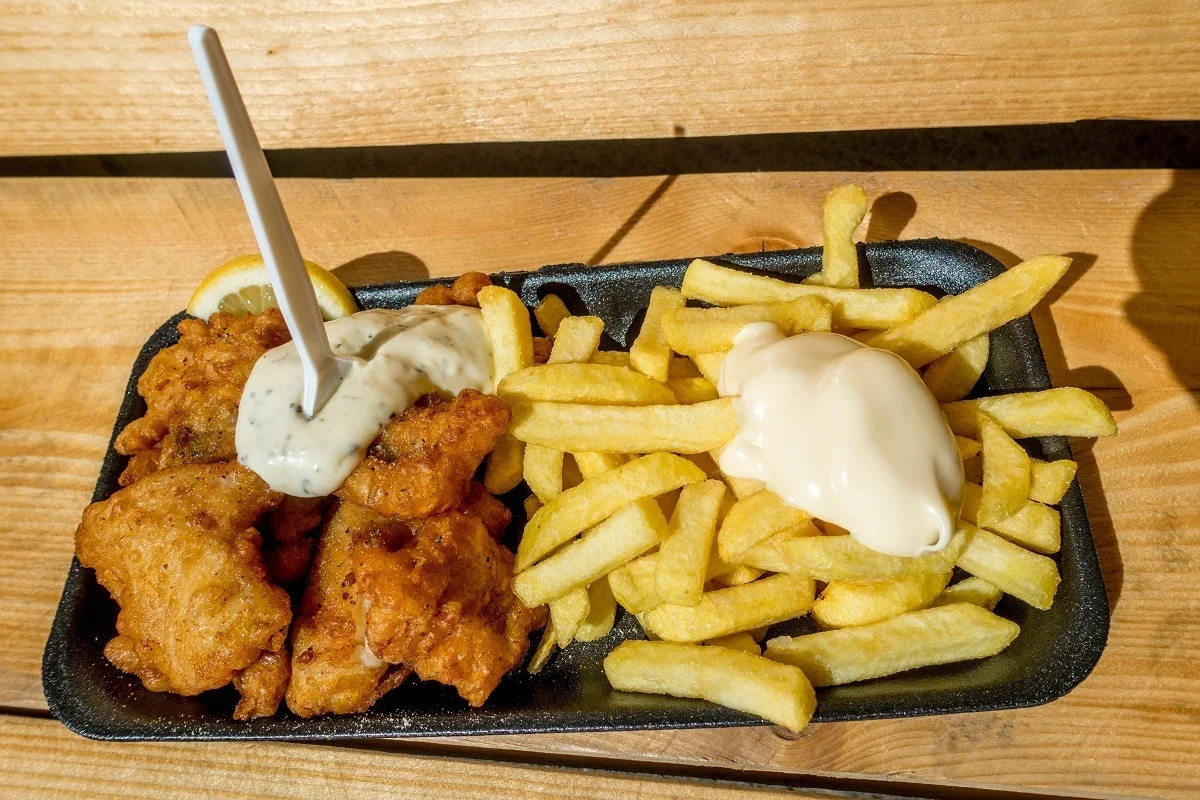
x: 323, y: 371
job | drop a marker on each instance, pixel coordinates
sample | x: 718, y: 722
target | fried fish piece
x: 192, y: 391
x: 179, y: 554
x: 262, y: 685
x: 333, y: 671
x: 423, y: 461
x: 442, y: 603
x: 480, y: 503
x: 463, y: 292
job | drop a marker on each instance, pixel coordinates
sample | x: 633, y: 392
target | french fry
x: 622, y: 537
x: 970, y: 590
x: 952, y: 376
x: 567, y: 613
x: 544, y: 471
x: 845, y: 208
x: 1049, y: 480
x: 877, y: 309
x: 942, y: 635
x: 634, y: 586
x: 550, y: 313
x: 705, y: 462
x: 683, y: 556
x: 737, y: 641
x: 755, y: 519
x: 694, y: 331
x: 709, y: 365
x: 975, y: 312
x: 592, y: 464
x: 1051, y: 412
x: 845, y: 604
x: 840, y: 558
x: 546, y: 647
x: 649, y: 353
x: 682, y: 368
x: 505, y: 465
x: 594, y: 384
x: 1036, y: 527
x: 745, y: 682
x: 626, y: 429
x: 692, y: 390
x: 967, y: 448
x: 1005, y: 474
x: 739, y: 576
x: 576, y: 340
x: 616, y: 358
x: 506, y: 321
x: 601, y: 615
x: 739, y: 608
x: 1013, y: 569
x: 758, y: 634
x: 599, y: 498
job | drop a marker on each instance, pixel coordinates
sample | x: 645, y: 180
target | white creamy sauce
x: 845, y: 432
x: 405, y: 353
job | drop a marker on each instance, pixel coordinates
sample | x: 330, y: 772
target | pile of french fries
x: 629, y: 506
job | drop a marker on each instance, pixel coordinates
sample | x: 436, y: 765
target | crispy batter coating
x: 442, y: 603
x: 494, y: 515
x: 192, y: 391
x: 332, y: 671
x: 463, y: 292
x: 423, y: 461
x: 542, y: 345
x: 262, y: 685
x: 290, y: 536
x: 178, y: 553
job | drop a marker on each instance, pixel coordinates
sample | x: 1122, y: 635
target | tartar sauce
x: 405, y: 353
x: 845, y: 432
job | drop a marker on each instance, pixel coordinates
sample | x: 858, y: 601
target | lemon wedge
x: 242, y: 286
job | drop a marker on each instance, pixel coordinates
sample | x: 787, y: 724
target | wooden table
x: 90, y: 266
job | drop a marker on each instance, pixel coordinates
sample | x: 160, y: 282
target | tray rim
x: 80, y: 718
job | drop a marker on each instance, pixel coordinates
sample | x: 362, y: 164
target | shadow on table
x: 385, y: 267
x: 1164, y: 251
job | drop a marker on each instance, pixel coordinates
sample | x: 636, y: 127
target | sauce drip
x: 405, y: 353
x: 845, y: 432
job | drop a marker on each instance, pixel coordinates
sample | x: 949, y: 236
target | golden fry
x: 507, y: 323
x: 845, y: 208
x: 692, y: 390
x: 593, y: 384
x: 694, y: 331
x: 1049, y: 481
x: 741, y: 681
x: 840, y: 558
x: 544, y: 471
x: 1035, y: 526
x: 952, y: 376
x: 755, y: 519
x: 1005, y: 474
x: 626, y: 429
x: 602, y: 614
x: 1051, y: 412
x: 683, y: 556
x: 567, y: 614
x: 737, y: 641
x: 960, y: 632
x: 739, y: 608
x: 845, y: 604
x: 975, y: 312
x: 876, y: 309
x: 505, y: 465
x: 550, y: 313
x: 970, y: 590
x: 1026, y: 576
x: 650, y: 353
x: 576, y: 340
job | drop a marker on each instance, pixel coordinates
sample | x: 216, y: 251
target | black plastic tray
x: 1054, y: 652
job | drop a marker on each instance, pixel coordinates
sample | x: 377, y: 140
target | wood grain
x: 116, y: 77
x: 91, y: 266
x: 41, y: 759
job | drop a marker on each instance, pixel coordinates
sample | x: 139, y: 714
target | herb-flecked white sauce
x: 405, y: 353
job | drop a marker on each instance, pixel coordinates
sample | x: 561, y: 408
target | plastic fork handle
x: 276, y: 241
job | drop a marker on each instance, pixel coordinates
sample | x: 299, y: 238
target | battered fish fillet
x: 442, y: 604
x: 423, y: 461
x: 332, y: 671
x: 494, y: 515
x: 262, y: 685
x: 178, y: 553
x: 192, y: 390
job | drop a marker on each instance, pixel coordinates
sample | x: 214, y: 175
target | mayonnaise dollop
x: 405, y: 353
x: 845, y: 432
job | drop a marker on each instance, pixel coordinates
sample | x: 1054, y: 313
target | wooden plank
x: 40, y: 758
x: 101, y: 77
x: 91, y: 266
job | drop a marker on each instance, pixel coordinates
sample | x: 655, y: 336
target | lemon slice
x: 242, y: 287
